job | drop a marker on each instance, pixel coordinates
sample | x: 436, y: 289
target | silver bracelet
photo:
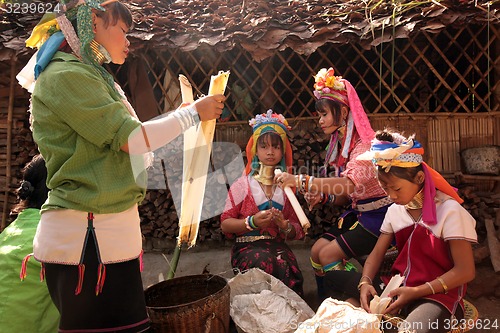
x: 187, y: 117
x: 332, y: 198
x: 288, y: 228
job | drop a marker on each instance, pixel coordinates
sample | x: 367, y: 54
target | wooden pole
x: 10, y: 110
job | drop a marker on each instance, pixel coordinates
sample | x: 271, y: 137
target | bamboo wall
x: 444, y: 88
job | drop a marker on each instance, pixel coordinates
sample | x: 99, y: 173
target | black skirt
x: 119, y: 307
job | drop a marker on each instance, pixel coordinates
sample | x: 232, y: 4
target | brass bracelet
x: 362, y: 283
x: 445, y: 287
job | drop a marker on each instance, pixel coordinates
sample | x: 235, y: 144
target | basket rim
x: 205, y: 299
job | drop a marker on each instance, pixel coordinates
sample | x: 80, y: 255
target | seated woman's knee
x: 330, y: 254
x: 317, y: 247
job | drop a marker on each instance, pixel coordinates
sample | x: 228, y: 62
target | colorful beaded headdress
x: 264, y: 123
x: 402, y: 152
x: 408, y: 153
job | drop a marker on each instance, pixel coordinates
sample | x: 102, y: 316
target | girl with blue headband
x: 433, y: 234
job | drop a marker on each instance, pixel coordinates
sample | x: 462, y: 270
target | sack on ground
x: 260, y: 303
x: 338, y: 316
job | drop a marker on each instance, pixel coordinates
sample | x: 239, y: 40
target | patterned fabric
x: 404, y: 153
x: 363, y: 175
x: 424, y: 252
x: 273, y: 257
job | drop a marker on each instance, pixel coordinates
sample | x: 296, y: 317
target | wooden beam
x: 9, y: 141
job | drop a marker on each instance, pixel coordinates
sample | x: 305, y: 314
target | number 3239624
x: 31, y: 8
x: 482, y: 324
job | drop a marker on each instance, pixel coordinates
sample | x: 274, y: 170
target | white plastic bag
x: 260, y: 303
x: 334, y: 316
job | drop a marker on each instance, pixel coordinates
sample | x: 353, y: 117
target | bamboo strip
x: 304, y: 221
x: 197, y: 166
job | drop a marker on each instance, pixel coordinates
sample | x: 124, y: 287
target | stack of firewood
x: 20, y: 145
x: 485, y: 208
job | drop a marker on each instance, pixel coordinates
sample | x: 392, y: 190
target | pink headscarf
x: 335, y: 88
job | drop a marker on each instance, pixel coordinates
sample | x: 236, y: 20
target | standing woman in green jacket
x: 96, y: 150
x: 25, y: 306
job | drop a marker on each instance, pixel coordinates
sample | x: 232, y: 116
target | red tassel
x: 141, y: 261
x: 101, y: 276
x: 81, y: 273
x: 24, y: 267
x: 42, y: 273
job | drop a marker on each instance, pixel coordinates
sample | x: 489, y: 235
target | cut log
x: 493, y: 244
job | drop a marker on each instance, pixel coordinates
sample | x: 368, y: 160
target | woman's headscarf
x: 335, y: 88
x: 408, y: 153
x: 264, y: 123
x: 54, y: 29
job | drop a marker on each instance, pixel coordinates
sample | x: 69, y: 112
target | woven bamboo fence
x: 442, y: 87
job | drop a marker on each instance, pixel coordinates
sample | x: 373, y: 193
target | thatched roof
x: 264, y: 26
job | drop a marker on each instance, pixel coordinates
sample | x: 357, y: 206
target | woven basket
x: 471, y: 315
x: 389, y: 259
x: 188, y: 304
x: 386, y: 265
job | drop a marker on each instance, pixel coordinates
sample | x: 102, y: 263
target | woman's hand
x: 279, y: 219
x: 403, y: 295
x: 285, y: 179
x: 366, y: 293
x: 263, y: 219
x: 312, y: 199
x: 210, y: 107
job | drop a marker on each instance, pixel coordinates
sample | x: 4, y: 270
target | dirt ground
x: 484, y: 293
x: 216, y: 260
